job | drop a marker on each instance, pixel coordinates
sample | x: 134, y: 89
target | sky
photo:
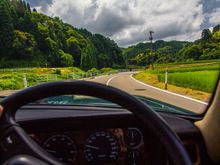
x: 128, y: 22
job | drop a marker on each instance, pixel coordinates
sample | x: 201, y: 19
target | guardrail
x: 71, y: 76
x: 46, y: 78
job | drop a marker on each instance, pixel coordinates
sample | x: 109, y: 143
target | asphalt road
x: 126, y: 82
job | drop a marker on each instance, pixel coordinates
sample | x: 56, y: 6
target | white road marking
x: 189, y: 98
x: 100, y: 76
x: 109, y: 80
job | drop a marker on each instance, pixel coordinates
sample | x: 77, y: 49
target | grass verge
x: 152, y: 79
x: 196, y: 80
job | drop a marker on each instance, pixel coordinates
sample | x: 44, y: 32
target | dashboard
x: 104, y: 135
x: 102, y: 146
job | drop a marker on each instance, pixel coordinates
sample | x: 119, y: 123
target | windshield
x: 80, y: 100
x: 163, y: 52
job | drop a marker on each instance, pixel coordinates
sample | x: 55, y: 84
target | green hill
x: 132, y: 51
x: 29, y: 38
x: 205, y: 48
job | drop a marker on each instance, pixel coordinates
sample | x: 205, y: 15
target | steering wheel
x: 16, y: 146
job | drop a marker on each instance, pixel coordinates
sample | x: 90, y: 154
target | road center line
x: 108, y: 82
x: 189, y: 98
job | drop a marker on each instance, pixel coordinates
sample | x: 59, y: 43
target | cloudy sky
x: 129, y: 21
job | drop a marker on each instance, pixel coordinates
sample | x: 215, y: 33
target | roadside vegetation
x: 194, y: 79
x: 12, y: 79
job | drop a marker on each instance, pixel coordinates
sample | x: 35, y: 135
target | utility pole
x: 151, y: 41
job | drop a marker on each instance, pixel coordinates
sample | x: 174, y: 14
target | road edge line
x: 150, y: 86
x: 109, y: 80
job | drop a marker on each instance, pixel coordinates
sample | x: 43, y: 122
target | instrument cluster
x: 108, y: 146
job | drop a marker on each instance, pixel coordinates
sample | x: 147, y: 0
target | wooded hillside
x: 205, y: 48
x: 29, y: 38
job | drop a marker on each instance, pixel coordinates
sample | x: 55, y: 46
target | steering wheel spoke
x: 14, y: 141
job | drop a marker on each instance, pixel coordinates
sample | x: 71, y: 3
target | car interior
x: 108, y: 82
x: 131, y: 133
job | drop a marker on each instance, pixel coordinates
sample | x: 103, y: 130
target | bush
x: 104, y: 70
x: 57, y: 71
x: 93, y: 70
x: 10, y: 84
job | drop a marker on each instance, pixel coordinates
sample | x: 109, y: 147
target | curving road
x: 126, y: 82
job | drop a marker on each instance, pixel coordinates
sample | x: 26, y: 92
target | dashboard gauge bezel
x: 71, y: 143
x: 113, y: 149
x: 137, y: 144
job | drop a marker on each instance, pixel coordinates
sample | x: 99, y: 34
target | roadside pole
x: 166, y: 77
x: 25, y: 80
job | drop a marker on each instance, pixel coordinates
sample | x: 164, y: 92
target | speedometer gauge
x: 101, y: 147
x: 62, y: 147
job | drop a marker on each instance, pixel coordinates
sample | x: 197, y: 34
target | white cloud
x: 214, y: 17
x: 129, y: 21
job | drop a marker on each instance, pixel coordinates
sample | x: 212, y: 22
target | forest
x: 32, y: 39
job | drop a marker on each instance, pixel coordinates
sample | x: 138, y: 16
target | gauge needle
x: 93, y: 147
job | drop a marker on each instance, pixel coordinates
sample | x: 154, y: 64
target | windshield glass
x: 80, y: 100
x: 164, y: 52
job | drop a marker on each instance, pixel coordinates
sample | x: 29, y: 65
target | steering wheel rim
x: 154, y: 122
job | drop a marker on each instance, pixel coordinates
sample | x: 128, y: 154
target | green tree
x: 216, y: 28
x: 20, y: 7
x: 216, y: 37
x: 6, y: 29
x: 66, y: 60
x: 29, y: 7
x: 165, y: 54
x: 34, y: 10
x: 140, y: 60
x: 88, y: 58
x: 193, y: 52
x: 14, y: 17
x: 52, y: 52
x: 24, y: 45
x: 206, y: 34
x: 29, y: 23
x: 103, y: 60
x: 74, y: 49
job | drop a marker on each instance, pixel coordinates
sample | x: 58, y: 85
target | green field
x: 199, y: 80
x: 185, y: 68
x: 198, y: 76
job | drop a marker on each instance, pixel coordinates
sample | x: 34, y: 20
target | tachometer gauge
x: 62, y: 147
x: 133, y: 137
x: 101, y: 147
